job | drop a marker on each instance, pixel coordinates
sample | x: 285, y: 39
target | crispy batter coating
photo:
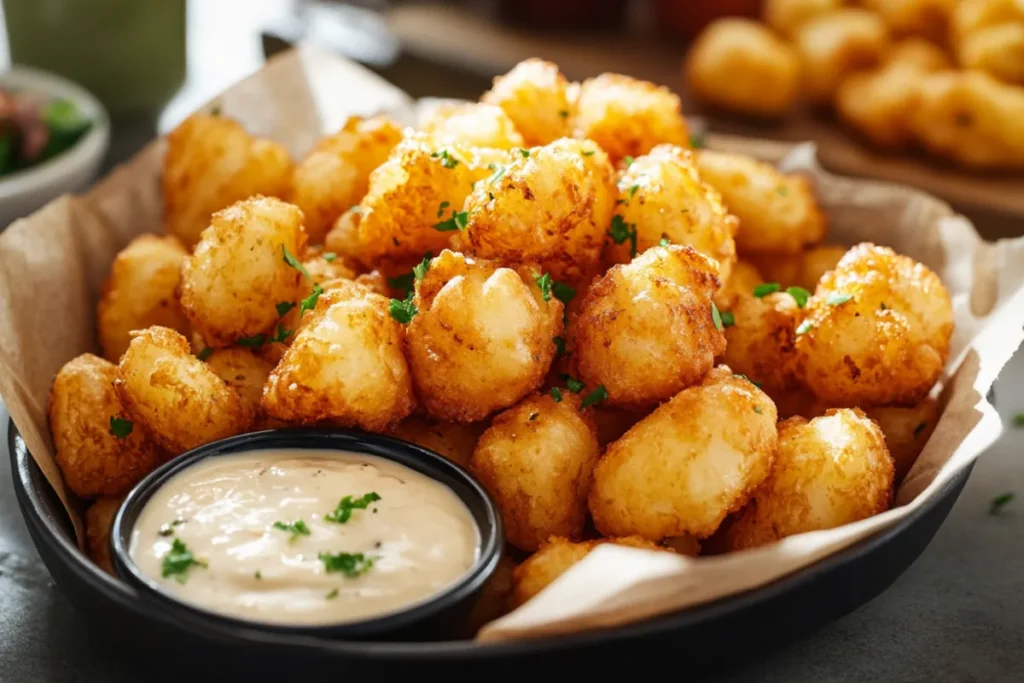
x: 740, y: 65
x: 744, y: 278
x: 533, y: 94
x: 646, y: 329
x: 831, y: 471
x: 175, y: 397
x: 927, y: 18
x: 662, y: 196
x: 972, y: 118
x: 343, y: 240
x: 876, y: 330
x: 537, y: 460
x: 555, y: 557
x: 906, y: 430
x: 211, y: 163
x: 999, y: 50
x: 141, y: 291
x: 777, y: 212
x: 482, y: 339
x: 551, y: 208
x: 918, y: 52
x: 687, y: 465
x: 99, y: 517
x: 474, y: 124
x: 344, y: 366
x: 495, y: 598
x: 453, y: 440
x: 786, y: 16
x: 335, y: 174
x: 802, y: 270
x: 760, y: 343
x: 244, y: 371
x: 92, y: 459
x: 628, y: 117
x: 836, y: 44
x: 232, y: 283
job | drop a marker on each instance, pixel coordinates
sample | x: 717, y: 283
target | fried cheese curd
x: 335, y: 175
x: 777, y: 212
x: 646, y: 330
x: 804, y: 269
x: 740, y: 65
x: 663, y: 196
x: 100, y: 451
x: 482, y: 336
x: 694, y: 460
x: 244, y: 265
x: 556, y: 556
x: 474, y: 124
x: 628, y: 117
x: 830, y: 471
x: 244, y: 371
x: 761, y: 340
x: 550, y: 206
x: 534, y: 95
x: 140, y: 291
x: 906, y: 431
x: 99, y: 518
x: 211, y: 163
x: 836, y: 44
x: 179, y: 401
x: 989, y: 35
x: 455, y: 441
x: 876, y: 331
x: 537, y: 460
x: 926, y: 18
x: 786, y: 16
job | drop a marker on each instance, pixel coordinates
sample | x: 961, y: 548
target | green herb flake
x: 349, y: 564
x: 564, y: 113
x: 563, y: 292
x: 447, y: 160
x: 419, y: 271
x: 572, y: 384
x: 804, y: 327
x: 556, y: 394
x: 544, y: 282
x: 178, y: 560
x: 120, y: 427
x: 205, y: 353
x: 799, y: 294
x: 742, y: 376
x: 347, y: 505
x: 283, y: 308
x: 757, y: 409
x: 837, y: 299
x: 403, y: 310
x: 333, y: 594
x: 296, y: 529
x: 215, y: 110
x: 766, y: 288
x: 728, y: 319
x: 252, y: 342
x: 281, y: 334
x: 1018, y: 420
x: 628, y: 161
x: 499, y: 171
x: 309, y: 303
x: 440, y: 209
x: 588, y: 153
x: 697, y: 141
x: 882, y: 306
x: 596, y: 396
x: 716, y: 317
x: 295, y: 263
x: 999, y: 502
x: 664, y: 242
x: 458, y: 221
x: 403, y: 283
x: 525, y: 153
x: 920, y: 428
x: 329, y: 256
x: 621, y: 231
x: 258, y: 575
x: 559, y: 345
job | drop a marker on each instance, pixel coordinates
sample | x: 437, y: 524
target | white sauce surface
x: 419, y: 536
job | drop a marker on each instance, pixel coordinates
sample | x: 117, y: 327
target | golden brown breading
x: 244, y: 371
x: 472, y: 124
x: 801, y: 270
x: 927, y: 18
x: 906, y: 431
x: 786, y: 16
x: 211, y: 163
x: 836, y: 44
x: 742, y: 281
x: 453, y: 440
x: 100, y: 451
x: 688, y: 464
x: 918, y: 52
x: 99, y: 517
x: 760, y: 342
x: 141, y: 291
x: 533, y: 94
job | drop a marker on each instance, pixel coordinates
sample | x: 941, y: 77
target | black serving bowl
x: 441, y: 611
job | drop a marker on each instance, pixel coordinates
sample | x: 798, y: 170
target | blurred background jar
x: 131, y: 54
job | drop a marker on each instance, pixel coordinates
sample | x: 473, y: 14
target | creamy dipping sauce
x: 303, y: 537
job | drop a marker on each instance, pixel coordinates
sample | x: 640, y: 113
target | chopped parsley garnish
x: 757, y: 409
x: 742, y: 376
x: 447, y: 160
x: 799, y: 294
x: 403, y: 310
x: 296, y: 529
x: 499, y: 171
x: 999, y: 502
x: 716, y: 317
x: 205, y: 353
x: 697, y: 141
x: 728, y: 319
x: 329, y: 256
x: 559, y: 345
x: 281, y: 334
x: 333, y: 594
x: 544, y: 282
x: 283, y: 308
x: 628, y: 160
x: 632, y: 190
x: 440, y: 209
x: 596, y: 396
x: 295, y: 263
x: 252, y: 342
x: 347, y: 505
x: 525, y: 153
x: 766, y: 288
x: 804, y: 327
x: 419, y: 271
x: 564, y: 113
x: 556, y: 394
x: 1018, y: 420
x: 837, y: 299
x: 572, y: 384
x: 882, y: 306
x: 621, y: 231
x: 258, y: 575
x: 402, y: 283
x: 168, y: 529
x: 120, y: 427
x: 588, y: 153
x: 563, y: 292
x: 215, y: 110
x: 458, y: 221
x: 664, y: 242
x: 178, y: 560
x: 309, y: 303
x: 349, y: 564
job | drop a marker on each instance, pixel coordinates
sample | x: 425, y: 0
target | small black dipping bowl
x: 438, y: 612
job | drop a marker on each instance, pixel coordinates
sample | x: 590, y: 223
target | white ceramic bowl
x: 73, y: 170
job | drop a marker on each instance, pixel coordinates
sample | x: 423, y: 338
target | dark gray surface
x: 956, y: 615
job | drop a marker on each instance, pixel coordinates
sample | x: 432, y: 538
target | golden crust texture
x: 762, y: 339
x: 836, y: 44
x: 533, y: 95
x: 740, y: 65
x: 232, y: 283
x: 786, y: 16
x: 473, y: 124
x: 537, y: 459
x: 777, y: 212
x: 646, y: 330
x: 179, y: 401
x: 244, y: 371
x: 801, y: 270
x: 334, y: 175
x: 99, y: 517
x: 831, y: 471
x: 926, y: 18
x: 687, y: 465
x: 876, y: 331
x: 453, y: 440
x: 483, y: 337
x: 627, y: 116
x: 140, y: 291
x: 211, y: 163
x: 345, y: 365
x: 662, y: 196
x: 906, y: 430
x: 92, y: 459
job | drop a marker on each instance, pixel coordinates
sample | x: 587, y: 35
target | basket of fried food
x: 626, y: 339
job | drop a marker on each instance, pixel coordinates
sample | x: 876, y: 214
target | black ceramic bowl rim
x: 481, y: 506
